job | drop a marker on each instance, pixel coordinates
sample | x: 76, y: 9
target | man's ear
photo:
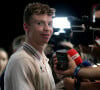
x: 25, y: 26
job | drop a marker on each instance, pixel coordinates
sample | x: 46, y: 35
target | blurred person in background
x: 18, y: 42
x: 94, y: 50
x: 3, y: 63
x: 3, y: 60
x: 87, y: 73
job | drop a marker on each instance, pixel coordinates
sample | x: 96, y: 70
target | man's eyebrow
x: 39, y: 20
x: 42, y: 21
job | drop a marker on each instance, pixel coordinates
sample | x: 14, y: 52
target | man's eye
x: 50, y: 24
x: 40, y: 23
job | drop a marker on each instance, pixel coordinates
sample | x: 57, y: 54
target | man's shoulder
x: 18, y: 60
x: 21, y: 53
x: 18, y: 57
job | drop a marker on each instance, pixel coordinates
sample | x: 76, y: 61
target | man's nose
x: 46, y: 27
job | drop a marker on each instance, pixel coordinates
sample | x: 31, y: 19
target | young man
x: 28, y: 67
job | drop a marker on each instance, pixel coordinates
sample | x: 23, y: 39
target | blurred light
x: 93, y: 18
x: 61, y: 23
x: 60, y: 31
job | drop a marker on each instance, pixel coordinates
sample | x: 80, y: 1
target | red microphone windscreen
x: 75, y: 56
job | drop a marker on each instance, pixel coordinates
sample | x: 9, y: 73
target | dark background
x: 12, y: 15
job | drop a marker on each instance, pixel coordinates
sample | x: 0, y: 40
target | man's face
x: 40, y: 29
x: 3, y: 60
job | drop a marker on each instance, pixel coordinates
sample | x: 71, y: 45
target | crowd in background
x: 91, y: 54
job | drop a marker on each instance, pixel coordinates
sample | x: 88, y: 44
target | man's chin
x: 44, y: 42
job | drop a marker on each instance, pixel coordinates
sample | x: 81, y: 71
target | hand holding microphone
x: 77, y: 58
x: 73, y: 60
x: 71, y: 65
x: 63, y: 60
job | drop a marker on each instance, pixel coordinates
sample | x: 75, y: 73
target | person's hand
x: 85, y: 49
x: 69, y: 83
x: 69, y: 71
x: 59, y: 76
x: 94, y: 50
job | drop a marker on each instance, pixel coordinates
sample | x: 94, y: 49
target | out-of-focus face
x: 3, y: 61
x: 97, y: 14
x: 40, y: 29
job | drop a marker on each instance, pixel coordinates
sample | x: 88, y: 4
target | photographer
x: 81, y: 73
x: 94, y: 50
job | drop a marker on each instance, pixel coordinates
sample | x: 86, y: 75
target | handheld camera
x: 62, y: 59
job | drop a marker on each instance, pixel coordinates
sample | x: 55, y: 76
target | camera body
x: 84, y: 30
x: 62, y: 59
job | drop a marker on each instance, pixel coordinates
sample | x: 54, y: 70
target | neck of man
x: 38, y: 47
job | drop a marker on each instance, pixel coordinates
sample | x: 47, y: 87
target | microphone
x: 77, y: 58
x: 63, y: 61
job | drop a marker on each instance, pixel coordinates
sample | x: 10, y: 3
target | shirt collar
x: 33, y: 51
